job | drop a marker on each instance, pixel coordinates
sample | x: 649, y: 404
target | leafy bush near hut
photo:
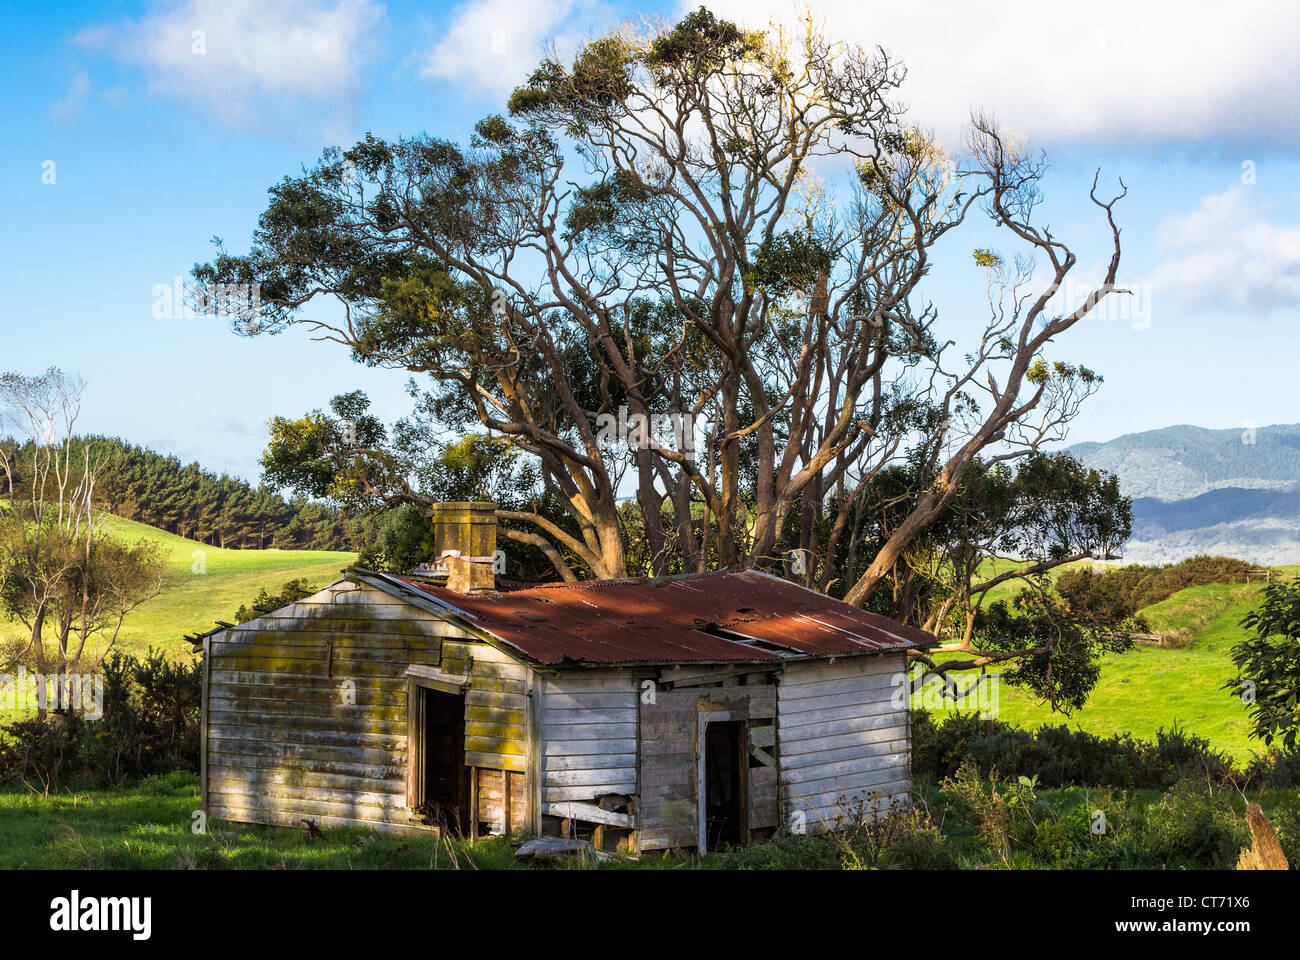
x: 291, y: 592
x: 1060, y: 757
x: 149, y: 725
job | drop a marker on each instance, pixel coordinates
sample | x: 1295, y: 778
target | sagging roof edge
x: 451, y: 614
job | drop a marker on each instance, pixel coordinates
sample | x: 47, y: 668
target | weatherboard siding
x: 844, y: 737
x: 307, y: 712
x: 588, y: 735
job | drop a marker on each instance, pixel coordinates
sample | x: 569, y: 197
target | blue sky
x: 157, y: 146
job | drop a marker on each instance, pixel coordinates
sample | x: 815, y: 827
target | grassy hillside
x: 205, y: 584
x: 1151, y: 687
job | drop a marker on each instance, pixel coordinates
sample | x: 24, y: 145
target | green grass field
x: 150, y: 825
x: 205, y: 584
x: 1151, y: 687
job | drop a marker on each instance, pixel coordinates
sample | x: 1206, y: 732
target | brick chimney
x: 465, y: 544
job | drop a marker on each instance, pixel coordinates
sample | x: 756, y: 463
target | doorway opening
x: 722, y: 787
x: 442, y: 779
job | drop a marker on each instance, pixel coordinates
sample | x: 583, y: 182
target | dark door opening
x: 444, y: 778
x: 723, y: 792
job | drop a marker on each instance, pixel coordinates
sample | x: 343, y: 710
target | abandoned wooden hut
x: 641, y: 714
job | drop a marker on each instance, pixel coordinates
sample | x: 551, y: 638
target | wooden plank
x: 791, y: 724
x: 791, y: 705
x: 591, y: 762
x: 323, y: 709
x: 874, y: 743
x: 254, y: 734
x: 275, y: 766
x: 344, y: 658
x: 480, y: 758
x: 347, y: 623
x: 588, y: 731
x: 481, y: 715
x: 350, y: 640
x: 308, y: 666
x: 293, y: 819
x: 309, y: 807
x: 589, y: 682
x: 832, y: 741
x: 793, y: 735
x: 880, y: 768
x: 558, y: 718
x: 581, y: 700
x: 573, y: 748
x: 495, y: 699
x: 589, y: 812
x: 566, y: 778
x: 832, y: 769
x: 555, y: 794
x: 335, y: 723
x: 259, y: 783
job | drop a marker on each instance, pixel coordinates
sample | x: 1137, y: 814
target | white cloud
x: 1226, y: 254
x: 494, y: 45
x: 78, y: 90
x: 1113, y: 70
x: 249, y: 63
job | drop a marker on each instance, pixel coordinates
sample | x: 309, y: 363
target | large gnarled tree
x: 655, y: 231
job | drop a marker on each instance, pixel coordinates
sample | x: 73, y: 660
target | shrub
x: 1003, y: 815
x: 291, y: 592
x: 1060, y: 757
x: 1277, y: 769
x: 1196, y: 826
x: 150, y: 725
x: 1132, y: 587
x: 868, y: 837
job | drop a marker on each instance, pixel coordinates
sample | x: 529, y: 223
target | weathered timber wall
x: 588, y: 734
x: 841, y: 736
x: 668, y: 806
x: 307, y: 712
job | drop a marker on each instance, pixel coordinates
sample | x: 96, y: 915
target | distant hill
x: 1177, y: 463
x: 1229, y: 492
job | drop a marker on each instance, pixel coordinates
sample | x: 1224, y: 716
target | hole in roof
x: 744, y: 609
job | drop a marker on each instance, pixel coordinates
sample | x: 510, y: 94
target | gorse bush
x: 291, y: 592
x: 1134, y: 586
x: 149, y: 726
x: 1060, y: 757
x: 1278, y: 768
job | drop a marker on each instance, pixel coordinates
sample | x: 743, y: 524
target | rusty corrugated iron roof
x: 724, y: 616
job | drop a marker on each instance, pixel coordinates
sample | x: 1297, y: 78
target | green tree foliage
x: 1268, y: 665
x: 643, y: 235
x: 291, y: 592
x: 61, y: 576
x: 139, y: 484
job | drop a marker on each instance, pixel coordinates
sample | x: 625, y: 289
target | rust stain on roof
x: 725, y: 616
